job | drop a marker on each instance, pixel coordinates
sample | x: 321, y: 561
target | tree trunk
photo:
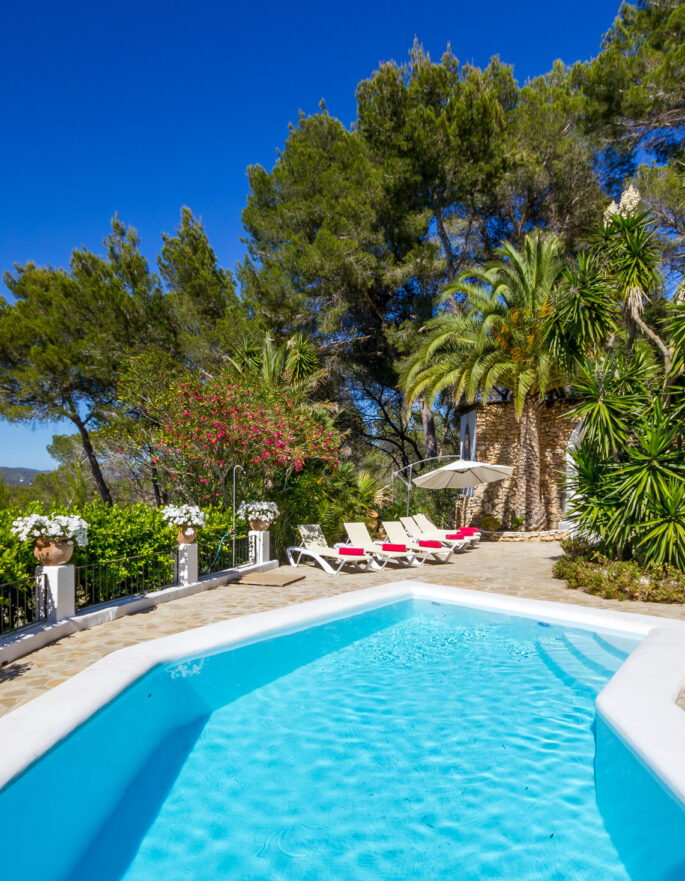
x: 102, y: 487
x: 155, y: 485
x: 431, y: 441
x: 666, y: 352
x: 449, y: 252
x: 529, y: 504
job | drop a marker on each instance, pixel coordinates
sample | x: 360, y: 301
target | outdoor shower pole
x: 235, y: 467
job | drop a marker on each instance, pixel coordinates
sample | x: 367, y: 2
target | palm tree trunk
x: 529, y: 503
x: 430, y: 439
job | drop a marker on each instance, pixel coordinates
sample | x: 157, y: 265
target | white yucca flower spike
x: 630, y: 202
x: 609, y: 214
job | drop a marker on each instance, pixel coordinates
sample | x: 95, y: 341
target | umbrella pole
x: 409, y: 488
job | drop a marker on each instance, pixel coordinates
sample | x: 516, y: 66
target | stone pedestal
x: 259, y: 545
x: 188, y: 567
x: 60, y: 583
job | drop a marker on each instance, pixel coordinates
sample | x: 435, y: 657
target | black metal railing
x: 124, y: 577
x: 22, y: 603
x: 218, y: 554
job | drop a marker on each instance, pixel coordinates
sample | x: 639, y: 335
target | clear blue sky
x: 144, y: 107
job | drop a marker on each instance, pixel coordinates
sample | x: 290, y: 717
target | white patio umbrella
x: 462, y: 473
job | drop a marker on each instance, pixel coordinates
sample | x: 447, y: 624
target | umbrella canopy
x: 462, y: 473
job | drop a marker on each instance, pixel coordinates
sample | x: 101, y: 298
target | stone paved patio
x: 517, y: 569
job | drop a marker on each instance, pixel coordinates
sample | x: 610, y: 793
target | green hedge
x: 113, y: 532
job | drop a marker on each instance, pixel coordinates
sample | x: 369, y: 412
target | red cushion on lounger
x: 470, y: 530
x: 427, y: 543
x: 349, y: 552
x: 399, y: 548
x: 455, y: 535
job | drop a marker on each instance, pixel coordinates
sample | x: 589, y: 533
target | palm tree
x: 294, y: 363
x: 498, y: 342
x: 350, y: 494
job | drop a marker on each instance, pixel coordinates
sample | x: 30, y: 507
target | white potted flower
x: 260, y: 515
x: 54, y: 536
x: 186, y: 518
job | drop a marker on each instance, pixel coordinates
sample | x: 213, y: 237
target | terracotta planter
x: 259, y: 525
x: 52, y: 552
x: 186, y: 534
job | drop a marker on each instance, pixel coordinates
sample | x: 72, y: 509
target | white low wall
x: 61, y: 581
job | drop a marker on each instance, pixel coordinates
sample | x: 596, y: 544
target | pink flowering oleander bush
x: 212, y: 425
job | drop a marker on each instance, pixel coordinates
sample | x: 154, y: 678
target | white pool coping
x: 638, y: 702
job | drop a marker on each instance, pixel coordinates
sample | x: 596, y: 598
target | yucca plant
x: 584, y: 313
x: 628, y: 251
x: 664, y: 539
x: 630, y: 465
x: 632, y: 504
x: 653, y: 461
x: 610, y: 391
x: 594, y: 503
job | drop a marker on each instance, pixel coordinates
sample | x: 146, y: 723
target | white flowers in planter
x: 266, y: 511
x: 54, y: 527
x: 184, y: 515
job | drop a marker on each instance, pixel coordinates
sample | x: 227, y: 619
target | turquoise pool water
x: 415, y: 741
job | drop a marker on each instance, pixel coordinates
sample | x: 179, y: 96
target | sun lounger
x: 382, y: 552
x: 457, y: 541
x: 422, y: 547
x: 330, y: 559
x: 426, y: 525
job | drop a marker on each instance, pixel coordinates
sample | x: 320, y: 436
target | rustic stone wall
x: 497, y: 440
x: 547, y: 535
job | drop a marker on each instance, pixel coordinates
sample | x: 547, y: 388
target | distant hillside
x: 19, y: 476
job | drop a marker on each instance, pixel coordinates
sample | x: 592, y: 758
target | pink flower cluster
x: 216, y: 425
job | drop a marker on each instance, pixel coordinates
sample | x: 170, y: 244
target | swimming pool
x: 419, y: 739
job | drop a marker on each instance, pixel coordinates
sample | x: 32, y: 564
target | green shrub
x: 490, y: 523
x: 579, y: 548
x: 299, y: 502
x: 584, y: 568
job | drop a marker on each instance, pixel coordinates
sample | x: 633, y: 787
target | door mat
x: 272, y: 578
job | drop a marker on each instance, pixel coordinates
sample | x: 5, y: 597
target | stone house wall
x: 497, y: 440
